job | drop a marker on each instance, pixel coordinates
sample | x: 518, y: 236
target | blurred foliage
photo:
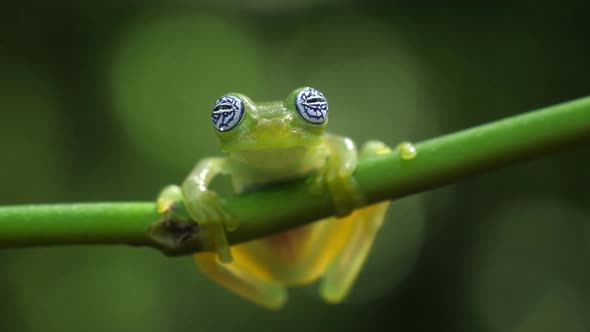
x: 110, y: 101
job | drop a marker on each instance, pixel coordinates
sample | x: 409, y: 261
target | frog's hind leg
x: 342, y: 272
x: 241, y: 279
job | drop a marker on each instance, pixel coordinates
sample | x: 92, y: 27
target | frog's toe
x: 162, y: 206
x: 316, y: 183
x: 344, y: 192
x: 207, y: 210
x: 209, y: 214
x: 213, y: 239
x: 216, y: 212
x: 231, y: 223
x: 203, y: 208
x: 374, y: 148
x: 167, y: 197
x: 221, y: 246
x: 198, y: 213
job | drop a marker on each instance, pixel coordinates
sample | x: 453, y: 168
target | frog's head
x: 297, y: 120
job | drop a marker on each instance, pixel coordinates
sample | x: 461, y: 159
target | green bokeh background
x: 111, y: 101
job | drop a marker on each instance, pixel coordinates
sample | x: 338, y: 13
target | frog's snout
x: 274, y: 124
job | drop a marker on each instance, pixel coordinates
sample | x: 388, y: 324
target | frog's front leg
x: 365, y: 222
x: 337, y: 174
x: 204, y: 206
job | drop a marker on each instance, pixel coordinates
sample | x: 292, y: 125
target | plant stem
x: 439, y: 161
x: 83, y: 223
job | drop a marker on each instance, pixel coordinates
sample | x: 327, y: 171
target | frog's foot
x: 343, y: 189
x: 167, y: 197
x: 376, y: 148
x: 337, y: 174
x: 240, y: 278
x: 206, y: 208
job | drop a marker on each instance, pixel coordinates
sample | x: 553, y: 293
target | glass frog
x: 275, y: 142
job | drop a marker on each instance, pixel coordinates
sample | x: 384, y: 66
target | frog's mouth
x: 270, y: 144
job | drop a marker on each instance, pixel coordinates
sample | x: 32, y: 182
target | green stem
x: 83, y: 223
x: 439, y: 161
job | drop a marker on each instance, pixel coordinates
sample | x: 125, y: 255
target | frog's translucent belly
x: 295, y: 257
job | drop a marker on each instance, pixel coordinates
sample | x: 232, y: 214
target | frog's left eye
x: 227, y: 112
x: 312, y: 105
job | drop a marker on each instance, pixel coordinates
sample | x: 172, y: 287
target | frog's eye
x: 312, y: 105
x: 227, y: 112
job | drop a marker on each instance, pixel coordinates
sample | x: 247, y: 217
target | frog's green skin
x: 272, y: 143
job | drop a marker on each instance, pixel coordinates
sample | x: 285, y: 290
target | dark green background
x: 111, y: 101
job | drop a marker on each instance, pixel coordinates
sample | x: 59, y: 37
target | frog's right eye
x: 227, y: 112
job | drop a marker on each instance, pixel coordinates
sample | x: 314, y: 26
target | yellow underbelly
x: 296, y: 257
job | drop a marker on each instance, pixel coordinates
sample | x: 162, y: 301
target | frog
x: 275, y: 142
